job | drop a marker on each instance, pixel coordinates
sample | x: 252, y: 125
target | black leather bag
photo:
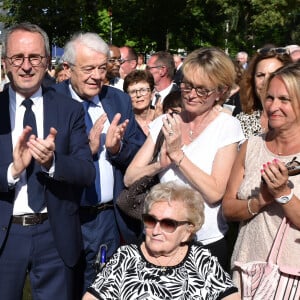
x: 131, y: 199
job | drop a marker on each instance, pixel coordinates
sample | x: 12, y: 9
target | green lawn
x: 26, y: 291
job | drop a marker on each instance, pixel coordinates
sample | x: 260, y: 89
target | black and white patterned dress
x: 250, y: 123
x: 127, y: 275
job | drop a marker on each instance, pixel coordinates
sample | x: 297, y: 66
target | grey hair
x: 171, y: 191
x: 165, y: 58
x: 26, y: 26
x: 88, y: 39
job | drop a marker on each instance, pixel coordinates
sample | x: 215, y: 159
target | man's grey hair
x: 88, y: 39
x: 26, y: 26
x: 245, y: 54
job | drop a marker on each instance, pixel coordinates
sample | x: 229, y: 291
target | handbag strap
x: 279, y: 239
x: 158, y: 144
x: 276, y: 252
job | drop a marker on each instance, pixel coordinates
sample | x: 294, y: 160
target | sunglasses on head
x: 167, y: 225
x: 268, y: 51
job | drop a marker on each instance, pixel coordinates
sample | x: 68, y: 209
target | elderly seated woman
x: 168, y: 264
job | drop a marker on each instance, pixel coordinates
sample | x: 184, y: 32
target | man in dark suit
x: 114, y: 140
x: 162, y: 67
x: 44, y: 168
x: 178, y: 76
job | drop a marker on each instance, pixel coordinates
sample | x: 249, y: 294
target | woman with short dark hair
x: 139, y: 85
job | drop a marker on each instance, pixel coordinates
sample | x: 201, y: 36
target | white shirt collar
x: 36, y: 97
x: 165, y: 92
x: 75, y: 96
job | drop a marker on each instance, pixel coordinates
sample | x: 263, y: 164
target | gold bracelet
x: 180, y: 160
x: 249, y: 208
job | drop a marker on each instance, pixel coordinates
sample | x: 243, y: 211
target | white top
x: 256, y: 235
x: 222, y: 131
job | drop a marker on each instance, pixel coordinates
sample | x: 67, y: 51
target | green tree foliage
x: 58, y: 18
x: 151, y: 25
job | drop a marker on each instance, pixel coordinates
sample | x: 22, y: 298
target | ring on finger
x: 171, y: 132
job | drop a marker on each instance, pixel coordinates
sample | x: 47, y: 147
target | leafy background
x: 151, y: 25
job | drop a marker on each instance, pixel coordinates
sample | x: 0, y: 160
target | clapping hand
x: 95, y: 132
x: 42, y: 150
x: 115, y: 134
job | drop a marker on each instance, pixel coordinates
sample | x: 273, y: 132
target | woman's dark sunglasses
x: 293, y: 167
x: 167, y: 225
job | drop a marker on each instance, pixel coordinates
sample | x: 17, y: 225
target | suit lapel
x: 50, y: 113
x: 5, y: 128
x: 107, y: 102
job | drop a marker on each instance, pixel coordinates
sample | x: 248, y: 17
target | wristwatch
x: 285, y: 199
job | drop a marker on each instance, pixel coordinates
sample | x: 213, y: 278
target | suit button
x: 4, y: 228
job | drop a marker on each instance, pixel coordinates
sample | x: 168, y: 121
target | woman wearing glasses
x: 139, y: 85
x: 166, y: 265
x: 200, y: 143
x: 261, y: 189
x: 262, y: 64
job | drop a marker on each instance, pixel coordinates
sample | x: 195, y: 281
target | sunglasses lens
x: 281, y: 50
x: 149, y: 221
x: 272, y: 51
x: 168, y: 225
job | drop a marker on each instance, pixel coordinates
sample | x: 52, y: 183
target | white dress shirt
x: 105, y: 168
x: 163, y: 94
x: 16, y: 111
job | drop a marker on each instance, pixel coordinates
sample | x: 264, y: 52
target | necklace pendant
x: 191, y: 135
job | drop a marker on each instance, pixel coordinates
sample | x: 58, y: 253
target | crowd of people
x: 72, y: 140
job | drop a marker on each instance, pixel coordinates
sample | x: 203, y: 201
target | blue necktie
x: 93, y: 193
x: 34, y: 188
x: 157, y: 96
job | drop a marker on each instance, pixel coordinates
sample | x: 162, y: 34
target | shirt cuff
x: 51, y: 171
x: 115, y: 155
x: 10, y: 179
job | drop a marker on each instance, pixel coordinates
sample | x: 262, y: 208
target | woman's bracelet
x: 180, y: 160
x: 252, y: 213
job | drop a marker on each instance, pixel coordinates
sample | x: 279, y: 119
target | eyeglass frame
x: 176, y: 223
x: 274, y: 50
x: 133, y: 93
x: 207, y: 93
x: 125, y: 60
x: 115, y: 60
x: 159, y: 66
x: 22, y: 57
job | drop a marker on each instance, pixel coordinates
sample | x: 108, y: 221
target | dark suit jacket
x: 74, y: 169
x: 174, y: 88
x: 178, y: 76
x: 115, y: 101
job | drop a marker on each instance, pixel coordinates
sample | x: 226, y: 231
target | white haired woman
x: 167, y: 264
